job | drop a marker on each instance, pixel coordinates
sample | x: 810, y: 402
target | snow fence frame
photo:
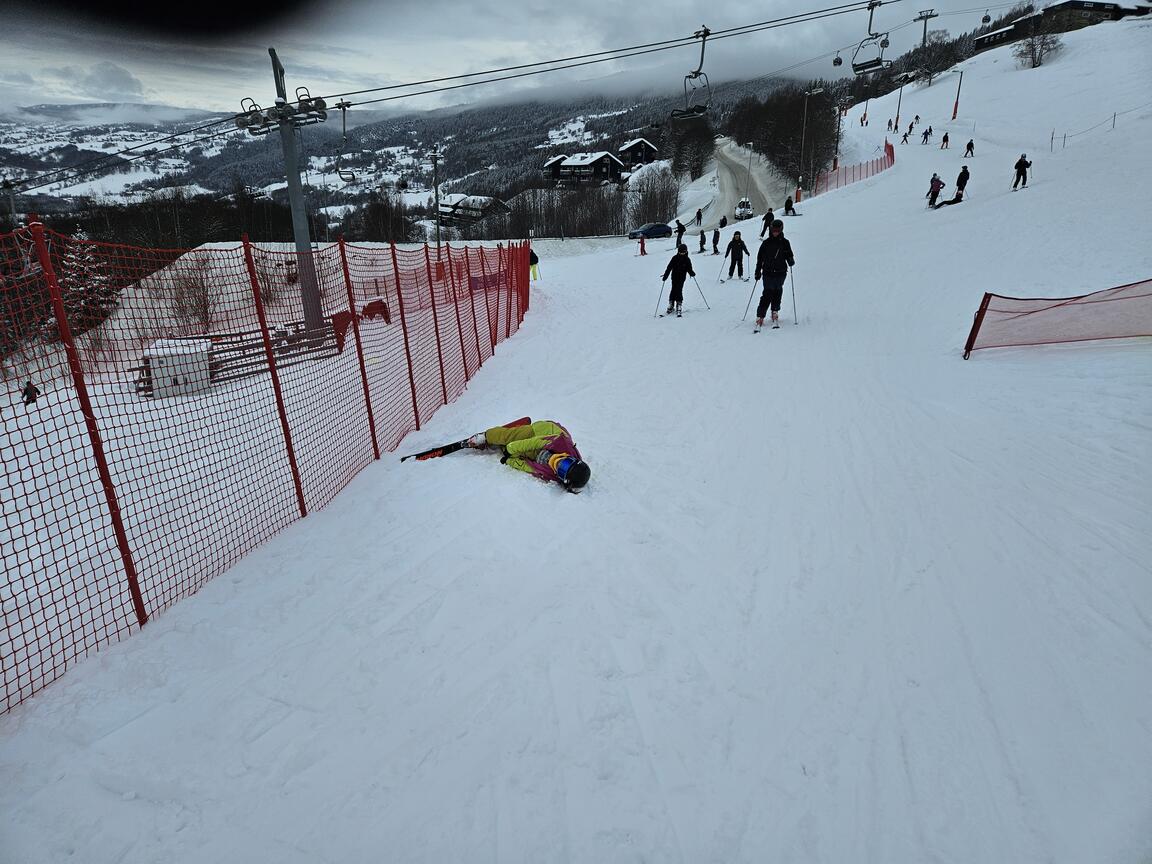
x: 117, y: 500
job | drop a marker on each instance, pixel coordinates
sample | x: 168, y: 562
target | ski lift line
x: 620, y: 53
x: 80, y: 173
x: 820, y: 57
x: 577, y: 65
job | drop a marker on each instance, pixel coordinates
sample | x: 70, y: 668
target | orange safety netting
x: 1115, y: 313
x: 170, y: 410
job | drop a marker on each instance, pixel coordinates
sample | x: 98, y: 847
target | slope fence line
x: 170, y: 411
x: 826, y: 181
x: 1115, y: 313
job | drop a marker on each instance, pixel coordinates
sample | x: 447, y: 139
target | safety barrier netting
x: 1115, y: 313
x: 172, y: 409
x: 826, y: 181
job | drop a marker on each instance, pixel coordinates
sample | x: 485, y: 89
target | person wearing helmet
x: 543, y: 449
x: 738, y: 250
x: 772, y: 263
x: 1022, y: 166
x: 680, y: 268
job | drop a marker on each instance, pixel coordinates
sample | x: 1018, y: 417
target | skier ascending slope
x: 680, y: 268
x: 737, y: 250
x: 772, y: 263
x: 544, y: 449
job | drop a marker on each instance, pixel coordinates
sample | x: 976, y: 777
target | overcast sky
x: 125, y: 54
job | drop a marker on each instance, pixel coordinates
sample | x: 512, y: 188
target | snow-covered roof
x: 636, y: 141
x: 994, y: 32
x: 555, y: 159
x: 578, y: 159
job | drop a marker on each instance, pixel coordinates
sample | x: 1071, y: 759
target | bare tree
x: 654, y: 197
x: 1042, y: 40
x: 192, y: 295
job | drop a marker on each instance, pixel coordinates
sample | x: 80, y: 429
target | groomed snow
x: 833, y: 593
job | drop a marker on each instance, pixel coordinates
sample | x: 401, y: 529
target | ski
x: 442, y: 450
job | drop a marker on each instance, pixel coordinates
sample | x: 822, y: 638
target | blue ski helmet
x: 573, y: 473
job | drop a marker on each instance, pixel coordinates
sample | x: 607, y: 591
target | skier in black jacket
x: 680, y: 229
x: 1022, y: 166
x: 680, y: 268
x: 738, y: 250
x: 961, y: 182
x: 769, y: 217
x: 772, y: 263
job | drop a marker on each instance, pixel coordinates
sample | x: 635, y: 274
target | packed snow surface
x: 832, y: 595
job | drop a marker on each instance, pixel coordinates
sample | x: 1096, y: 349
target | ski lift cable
x: 617, y: 53
x: 856, y: 8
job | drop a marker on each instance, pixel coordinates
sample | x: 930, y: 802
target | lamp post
x: 904, y: 79
x: 748, y: 183
x: 803, y: 131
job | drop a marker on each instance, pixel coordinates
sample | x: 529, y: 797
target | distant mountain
x: 105, y: 113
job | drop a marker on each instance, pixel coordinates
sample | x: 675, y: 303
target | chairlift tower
x: 288, y: 117
x: 926, y: 16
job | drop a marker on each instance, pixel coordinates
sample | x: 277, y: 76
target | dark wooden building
x: 638, y: 151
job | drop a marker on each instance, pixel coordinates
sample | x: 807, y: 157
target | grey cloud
x: 103, y: 81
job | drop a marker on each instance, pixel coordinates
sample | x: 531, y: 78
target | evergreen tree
x: 87, y: 286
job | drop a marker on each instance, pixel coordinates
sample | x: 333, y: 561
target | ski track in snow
x: 833, y: 593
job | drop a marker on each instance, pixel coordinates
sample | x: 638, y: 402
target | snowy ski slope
x: 833, y: 594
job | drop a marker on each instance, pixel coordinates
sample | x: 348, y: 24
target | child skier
x: 738, y: 250
x: 543, y: 449
x: 680, y: 268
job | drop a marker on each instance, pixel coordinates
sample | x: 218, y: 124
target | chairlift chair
x: 987, y: 19
x: 693, y: 110
x: 837, y: 60
x: 345, y: 174
x: 879, y: 40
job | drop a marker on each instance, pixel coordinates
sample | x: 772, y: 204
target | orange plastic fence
x: 1115, y: 313
x: 170, y: 411
x: 846, y: 174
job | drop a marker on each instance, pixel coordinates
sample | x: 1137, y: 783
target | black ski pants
x: 737, y: 266
x: 676, y: 295
x: 1021, y: 177
x: 773, y: 292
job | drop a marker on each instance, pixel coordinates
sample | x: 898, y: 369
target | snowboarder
x: 702, y: 241
x: 961, y: 182
x: 716, y: 241
x: 970, y: 149
x: 30, y: 392
x: 944, y: 142
x: 1022, y: 166
x: 738, y: 250
x: 769, y: 217
x: 680, y: 268
x: 699, y: 216
x: 544, y: 449
x: 772, y: 263
x: 680, y: 229
x: 534, y: 264
x: 789, y: 210
x: 934, y: 188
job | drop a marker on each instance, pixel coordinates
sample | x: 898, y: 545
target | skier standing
x: 715, y: 241
x: 934, y: 188
x: 699, y: 217
x: 544, y: 449
x: 1022, y: 166
x: 944, y: 142
x: 702, y: 241
x: 772, y: 263
x: 680, y: 229
x: 680, y: 268
x: 768, y: 219
x: 970, y: 149
x: 738, y: 250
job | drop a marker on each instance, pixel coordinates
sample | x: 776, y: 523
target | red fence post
x: 509, y: 275
x: 472, y: 303
x: 979, y: 319
x: 435, y: 318
x: 487, y: 305
x: 404, y: 330
x: 359, y: 346
x: 271, y: 357
x: 456, y: 306
x: 94, y: 438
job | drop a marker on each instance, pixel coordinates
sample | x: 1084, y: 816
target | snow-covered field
x: 832, y: 595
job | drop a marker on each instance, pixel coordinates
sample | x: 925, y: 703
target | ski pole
x: 795, y: 320
x: 750, y: 296
x: 659, y: 299
x: 701, y: 290
x: 722, y: 263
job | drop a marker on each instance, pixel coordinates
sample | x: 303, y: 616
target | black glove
x: 504, y: 459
